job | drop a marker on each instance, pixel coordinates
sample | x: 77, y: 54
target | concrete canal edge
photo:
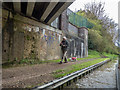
x: 119, y: 79
x: 66, y: 80
x: 117, y: 76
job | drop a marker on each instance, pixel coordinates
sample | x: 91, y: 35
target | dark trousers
x: 64, y: 55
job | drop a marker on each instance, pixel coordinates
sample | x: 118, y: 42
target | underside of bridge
x: 27, y: 32
x: 45, y: 12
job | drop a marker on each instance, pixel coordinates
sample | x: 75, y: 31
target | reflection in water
x: 103, y: 77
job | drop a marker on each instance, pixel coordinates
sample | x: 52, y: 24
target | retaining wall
x: 25, y: 38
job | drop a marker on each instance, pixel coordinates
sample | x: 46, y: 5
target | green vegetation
x: 111, y: 56
x: 79, y: 20
x: 28, y: 37
x: 94, y: 53
x: 24, y: 62
x: 76, y: 67
x: 101, y: 29
x: 99, y: 37
x: 91, y: 55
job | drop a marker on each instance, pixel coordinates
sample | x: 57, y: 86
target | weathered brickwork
x: 77, y: 37
x: 64, y: 21
x: 28, y: 41
x: 25, y: 38
x: 72, y: 29
x: 83, y: 33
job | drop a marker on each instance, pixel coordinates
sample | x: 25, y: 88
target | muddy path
x: 29, y: 76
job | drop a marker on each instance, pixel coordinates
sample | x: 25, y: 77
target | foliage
x: 89, y: 57
x: 77, y: 67
x: 95, y: 40
x: 79, y: 20
x: 101, y: 36
x: 24, y: 62
x: 95, y: 10
x: 102, y: 54
x: 91, y: 54
x: 111, y: 56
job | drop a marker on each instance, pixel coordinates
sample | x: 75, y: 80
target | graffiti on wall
x: 51, y: 38
x: 46, y: 35
x: 59, y: 38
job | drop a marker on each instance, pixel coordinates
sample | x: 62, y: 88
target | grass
x: 111, y: 56
x: 89, y: 57
x: 24, y: 62
x: 76, y: 67
x: 103, y: 54
x: 91, y: 54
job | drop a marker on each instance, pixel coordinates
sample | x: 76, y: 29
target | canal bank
x: 33, y: 75
x: 66, y: 81
x: 104, y: 77
x: 118, y: 79
x: 118, y: 75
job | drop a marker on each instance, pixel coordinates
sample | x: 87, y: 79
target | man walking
x: 64, y: 46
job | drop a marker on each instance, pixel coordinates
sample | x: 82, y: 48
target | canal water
x: 103, y: 77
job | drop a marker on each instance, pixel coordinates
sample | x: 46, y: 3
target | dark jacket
x: 64, y: 44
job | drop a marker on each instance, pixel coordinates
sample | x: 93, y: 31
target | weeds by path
x: 76, y: 67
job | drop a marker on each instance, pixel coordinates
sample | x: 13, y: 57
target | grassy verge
x: 25, y: 62
x: 111, y: 56
x: 89, y: 57
x: 91, y: 54
x: 33, y: 61
x: 102, y: 54
x: 76, y: 67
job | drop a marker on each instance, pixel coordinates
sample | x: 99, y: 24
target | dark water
x: 103, y: 77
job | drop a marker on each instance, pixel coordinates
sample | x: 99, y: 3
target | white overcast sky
x: 111, y: 7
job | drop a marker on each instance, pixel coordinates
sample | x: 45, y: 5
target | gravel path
x: 27, y: 76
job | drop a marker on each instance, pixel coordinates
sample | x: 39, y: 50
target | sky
x: 111, y: 7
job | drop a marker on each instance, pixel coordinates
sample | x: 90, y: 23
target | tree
x: 103, y: 35
x: 96, y: 9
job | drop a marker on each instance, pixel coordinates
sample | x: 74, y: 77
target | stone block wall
x: 24, y: 38
x: 74, y: 49
x: 77, y: 37
x: 72, y: 29
x: 83, y: 33
x: 64, y: 21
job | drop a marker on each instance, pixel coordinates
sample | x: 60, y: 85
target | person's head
x: 64, y: 38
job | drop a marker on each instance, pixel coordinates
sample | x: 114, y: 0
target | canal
x: 103, y: 77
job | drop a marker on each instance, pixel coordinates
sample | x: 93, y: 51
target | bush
x: 92, y: 52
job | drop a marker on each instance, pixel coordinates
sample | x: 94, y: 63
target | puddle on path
x: 103, y: 77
